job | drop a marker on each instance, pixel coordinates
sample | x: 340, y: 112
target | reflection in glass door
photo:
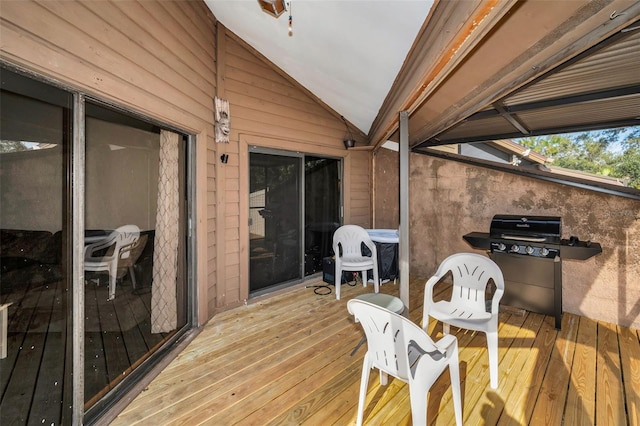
x: 290, y: 229
x: 34, y: 285
x: 321, y: 210
x: 135, y: 282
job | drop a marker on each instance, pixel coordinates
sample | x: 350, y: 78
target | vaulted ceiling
x: 463, y: 70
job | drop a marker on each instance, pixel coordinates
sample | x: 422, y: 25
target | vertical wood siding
x: 268, y: 110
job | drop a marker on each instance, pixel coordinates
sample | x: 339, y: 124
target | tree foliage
x: 611, y: 152
x: 11, y: 146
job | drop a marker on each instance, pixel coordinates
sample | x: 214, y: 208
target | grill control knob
x: 515, y: 248
x: 544, y: 251
x: 529, y: 249
x: 501, y: 246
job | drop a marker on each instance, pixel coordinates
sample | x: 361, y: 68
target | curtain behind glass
x: 165, y: 257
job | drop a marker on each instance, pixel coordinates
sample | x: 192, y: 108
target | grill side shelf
x: 579, y: 251
x: 478, y: 240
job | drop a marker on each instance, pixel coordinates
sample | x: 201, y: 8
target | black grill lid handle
x: 523, y: 238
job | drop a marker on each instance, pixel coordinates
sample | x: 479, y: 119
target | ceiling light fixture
x: 274, y: 8
x: 349, y: 142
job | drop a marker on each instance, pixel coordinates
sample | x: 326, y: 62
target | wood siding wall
x: 269, y: 110
x: 153, y: 58
x: 165, y: 60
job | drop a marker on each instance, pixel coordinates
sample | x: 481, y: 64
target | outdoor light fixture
x: 274, y: 8
x: 349, y: 142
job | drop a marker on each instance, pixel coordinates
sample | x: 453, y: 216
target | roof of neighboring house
x: 514, y: 148
x: 586, y: 175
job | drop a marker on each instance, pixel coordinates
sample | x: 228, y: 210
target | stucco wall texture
x: 449, y: 199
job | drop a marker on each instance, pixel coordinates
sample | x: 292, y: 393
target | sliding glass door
x: 275, y: 222
x: 134, y: 217
x: 294, y: 207
x: 131, y: 301
x: 34, y: 286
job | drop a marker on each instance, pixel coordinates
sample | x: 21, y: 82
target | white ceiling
x: 346, y: 52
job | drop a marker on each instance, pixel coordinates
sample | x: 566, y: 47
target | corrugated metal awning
x: 598, y: 89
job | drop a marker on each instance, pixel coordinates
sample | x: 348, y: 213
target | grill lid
x: 539, y: 229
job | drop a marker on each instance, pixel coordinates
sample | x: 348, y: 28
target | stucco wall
x: 449, y: 199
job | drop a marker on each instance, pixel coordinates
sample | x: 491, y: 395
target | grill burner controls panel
x: 524, y: 249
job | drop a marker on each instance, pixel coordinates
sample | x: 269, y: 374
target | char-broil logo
x: 524, y: 223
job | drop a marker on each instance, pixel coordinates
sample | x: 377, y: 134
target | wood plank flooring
x: 117, y: 338
x: 285, y: 360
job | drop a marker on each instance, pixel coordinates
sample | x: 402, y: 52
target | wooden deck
x: 286, y: 360
x: 117, y: 338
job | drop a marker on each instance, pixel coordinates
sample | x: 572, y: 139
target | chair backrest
x: 348, y: 240
x: 118, y: 243
x: 471, y: 273
x: 394, y: 343
x: 126, y: 238
x: 132, y: 254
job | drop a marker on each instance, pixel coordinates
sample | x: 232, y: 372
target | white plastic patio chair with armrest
x: 398, y: 347
x: 347, y: 246
x: 105, y: 254
x: 467, y: 307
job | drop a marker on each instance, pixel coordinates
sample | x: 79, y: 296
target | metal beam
x: 538, y: 132
x: 404, y: 208
x: 77, y: 288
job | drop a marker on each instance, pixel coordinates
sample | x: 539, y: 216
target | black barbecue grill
x: 528, y: 250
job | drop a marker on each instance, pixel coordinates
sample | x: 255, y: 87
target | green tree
x: 12, y: 146
x: 611, y: 152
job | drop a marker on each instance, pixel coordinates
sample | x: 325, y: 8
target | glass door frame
x: 301, y: 156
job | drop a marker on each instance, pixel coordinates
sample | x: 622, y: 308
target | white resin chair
x: 347, y: 246
x: 105, y: 254
x: 467, y: 308
x: 398, y: 347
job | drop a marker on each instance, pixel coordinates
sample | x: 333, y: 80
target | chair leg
x: 364, y: 278
x: 112, y: 287
x: 113, y: 272
x: 454, y: 373
x: 364, y: 381
x: 376, y: 280
x: 418, y: 396
x: 492, y: 349
x: 132, y: 274
x: 384, y: 378
x: 337, y: 280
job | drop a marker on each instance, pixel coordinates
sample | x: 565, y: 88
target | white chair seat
x: 447, y: 311
x: 387, y: 301
x: 357, y: 262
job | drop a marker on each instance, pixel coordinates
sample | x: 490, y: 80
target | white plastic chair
x: 467, y: 308
x: 105, y: 254
x: 347, y: 246
x: 398, y: 347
